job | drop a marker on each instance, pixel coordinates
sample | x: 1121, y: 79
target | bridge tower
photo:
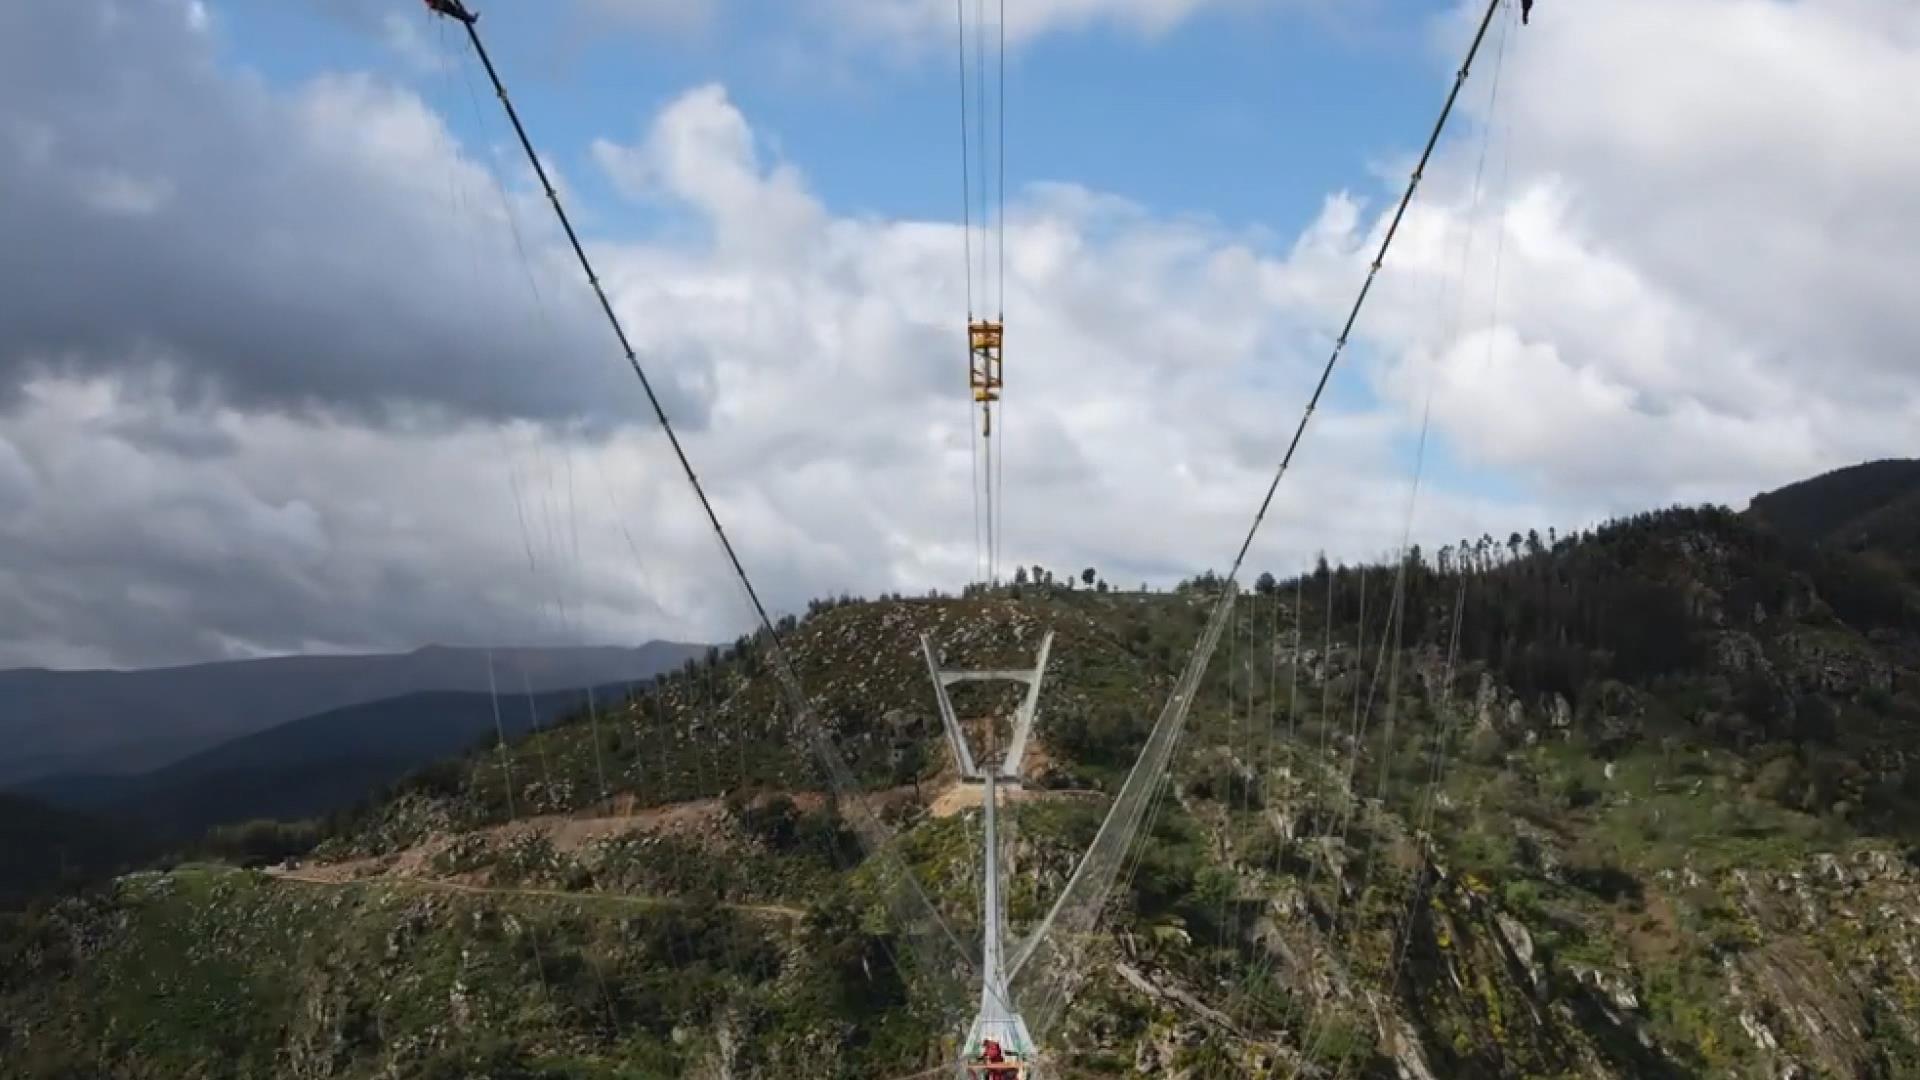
x: 998, y: 1018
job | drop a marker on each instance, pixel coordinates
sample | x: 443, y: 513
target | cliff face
x: 1632, y: 804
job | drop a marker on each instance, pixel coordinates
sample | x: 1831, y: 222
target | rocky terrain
x: 1634, y: 803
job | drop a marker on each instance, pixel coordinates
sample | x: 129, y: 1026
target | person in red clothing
x: 991, y: 1055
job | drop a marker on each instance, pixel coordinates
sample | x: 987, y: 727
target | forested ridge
x: 1637, y: 801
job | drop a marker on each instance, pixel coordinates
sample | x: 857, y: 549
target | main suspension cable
x: 838, y: 772
x: 1000, y: 275
x: 1370, y: 861
x: 619, y: 330
x: 1087, y: 888
x: 1366, y: 287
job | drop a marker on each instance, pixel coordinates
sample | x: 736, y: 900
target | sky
x: 294, y: 358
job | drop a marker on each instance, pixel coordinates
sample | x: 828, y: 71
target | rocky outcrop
x: 1831, y: 664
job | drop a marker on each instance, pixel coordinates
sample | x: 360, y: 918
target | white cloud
x: 298, y: 533
x: 353, y: 253
x: 1702, y: 222
x: 404, y: 35
x: 1746, y: 158
x: 701, y: 152
x: 1669, y: 326
x: 836, y: 448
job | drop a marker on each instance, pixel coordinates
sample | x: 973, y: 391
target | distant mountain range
x: 117, y: 723
x: 311, y: 766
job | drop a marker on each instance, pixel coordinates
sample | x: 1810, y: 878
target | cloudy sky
x: 292, y: 356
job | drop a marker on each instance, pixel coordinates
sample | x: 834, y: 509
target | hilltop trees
x: 1205, y: 583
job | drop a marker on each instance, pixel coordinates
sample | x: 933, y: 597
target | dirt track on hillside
x: 703, y: 818
x: 311, y: 877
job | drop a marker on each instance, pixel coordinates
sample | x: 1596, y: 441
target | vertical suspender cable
x: 966, y: 242
x: 1000, y: 280
x: 980, y: 121
x: 1001, y: 157
x: 966, y: 154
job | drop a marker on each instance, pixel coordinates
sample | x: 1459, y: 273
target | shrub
x: 261, y: 842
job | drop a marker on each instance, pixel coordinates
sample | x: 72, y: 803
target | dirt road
x: 304, y: 877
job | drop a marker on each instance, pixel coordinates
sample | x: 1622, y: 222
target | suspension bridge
x: 1024, y: 987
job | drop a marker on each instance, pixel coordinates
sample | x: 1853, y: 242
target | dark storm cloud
x: 318, y: 249
x: 137, y: 533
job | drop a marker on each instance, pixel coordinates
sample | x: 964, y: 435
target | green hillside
x: 1646, y: 813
